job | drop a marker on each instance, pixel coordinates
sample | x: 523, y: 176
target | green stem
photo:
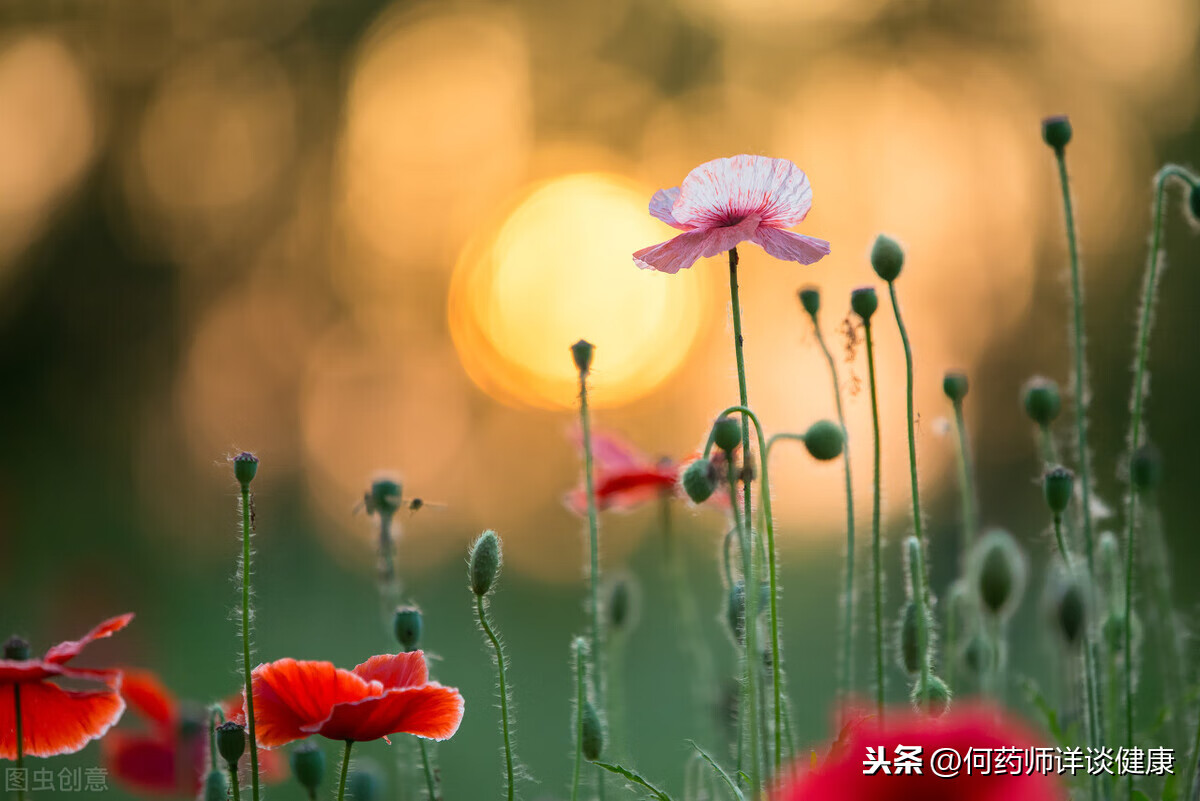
x: 1049, y: 449
x: 1062, y: 543
x: 876, y: 555
x: 508, y: 751
x: 20, y: 737
x: 580, y: 701
x: 246, y: 635
x: 1194, y: 766
x: 846, y: 681
x: 213, y: 715
x: 917, y: 568
x: 594, y: 553
x: 1128, y: 647
x: 345, y: 769
x: 748, y: 717
x: 912, y: 438
x: 233, y: 781
x: 430, y: 781
x: 966, y: 481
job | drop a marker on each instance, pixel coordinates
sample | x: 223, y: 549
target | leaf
x: 635, y: 778
x: 1138, y: 795
x: 720, y: 771
x: 1170, y: 790
x: 1049, y: 714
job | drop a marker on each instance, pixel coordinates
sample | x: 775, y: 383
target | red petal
x: 431, y: 711
x: 57, y: 721
x: 145, y: 693
x: 293, y: 698
x: 144, y: 764
x: 13, y: 671
x: 66, y: 651
x: 394, y: 671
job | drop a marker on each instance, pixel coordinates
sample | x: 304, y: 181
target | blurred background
x: 359, y: 236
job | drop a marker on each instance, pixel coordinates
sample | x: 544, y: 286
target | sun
x: 558, y: 268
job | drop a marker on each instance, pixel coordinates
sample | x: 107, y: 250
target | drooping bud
x: 582, y: 351
x: 887, y: 258
x: 999, y: 572
x: 955, y: 385
x: 935, y: 699
x: 1145, y: 468
x: 245, y: 468
x: 16, y: 648
x: 216, y: 786
x: 621, y: 606
x: 727, y: 433
x: 979, y: 656
x: 910, y: 639
x: 231, y: 741
x: 1056, y: 131
x: 810, y: 299
x: 824, y: 440
x: 1042, y: 400
x: 384, y: 497
x: 485, y: 562
x: 1058, y: 485
x: 699, y: 480
x: 1070, y: 610
x: 308, y: 766
x: 364, y: 783
x: 864, y: 302
x: 592, y: 741
x: 1194, y: 202
x: 406, y: 625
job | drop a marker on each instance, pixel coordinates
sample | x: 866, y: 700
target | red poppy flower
x: 624, y: 478
x: 843, y: 775
x: 169, y: 755
x: 56, y: 721
x: 387, y: 694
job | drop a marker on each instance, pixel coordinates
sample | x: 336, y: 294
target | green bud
x: 582, y: 352
x: 1058, y: 485
x: 308, y: 765
x: 727, y: 433
x: 1042, y: 401
x: 824, y: 440
x: 245, y: 468
x: 1145, y: 468
x: 936, y: 697
x: 364, y: 784
x: 384, y: 497
x: 810, y: 299
x: 910, y: 639
x: 485, y: 562
x: 406, y: 625
x: 978, y: 655
x: 999, y: 572
x: 887, y: 258
x: 1056, y: 131
x: 216, y: 786
x: 699, y: 480
x: 955, y: 385
x: 593, y: 733
x: 864, y: 302
x: 1070, y: 611
x: 1194, y: 203
x: 16, y: 648
x: 231, y: 741
x: 1113, y: 631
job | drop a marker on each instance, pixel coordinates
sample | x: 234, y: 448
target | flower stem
x: 1062, y: 544
x: 876, y: 555
x: 846, y: 680
x: 912, y: 439
x: 580, y: 701
x: 748, y: 713
x: 20, y: 737
x: 504, y: 723
x: 345, y: 769
x: 233, y: 781
x: 917, y: 569
x: 430, y: 781
x: 246, y: 635
x: 966, y: 480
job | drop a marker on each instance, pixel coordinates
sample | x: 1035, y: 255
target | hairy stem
x: 580, y: 702
x: 481, y: 611
x: 345, y: 770
x: 20, y: 737
x: 246, y: 636
x: 876, y: 555
x: 748, y: 714
x: 966, y: 481
x: 912, y: 438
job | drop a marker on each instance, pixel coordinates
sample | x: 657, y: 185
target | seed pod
x: 216, y: 786
x: 485, y: 562
x: 593, y: 733
x: 16, y: 648
x: 245, y: 468
x: 887, y: 258
x: 1145, y: 468
x: 308, y: 766
x: 936, y: 697
x: 1058, y: 485
x: 383, y: 498
x: 231, y: 741
x: 810, y: 299
x: 582, y: 352
x: 910, y: 639
x: 955, y: 385
x: 999, y: 572
x: 1056, y: 131
x: 727, y: 433
x: 1042, y: 400
x: 864, y: 302
x: 699, y: 480
x: 824, y: 440
x: 406, y: 625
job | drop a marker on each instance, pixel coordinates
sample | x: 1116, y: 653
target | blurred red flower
x: 624, y: 477
x: 57, y: 721
x: 841, y: 776
x: 387, y: 694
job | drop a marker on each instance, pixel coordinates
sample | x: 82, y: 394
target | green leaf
x: 720, y: 771
x: 1049, y: 714
x: 635, y: 778
x: 1138, y: 795
x: 1170, y: 790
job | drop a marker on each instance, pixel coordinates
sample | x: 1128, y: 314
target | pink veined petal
x: 661, y: 204
x: 724, y: 191
x: 683, y: 251
x: 789, y: 246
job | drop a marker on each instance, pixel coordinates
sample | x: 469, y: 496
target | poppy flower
x: 169, y: 755
x: 845, y: 773
x: 387, y: 694
x: 725, y: 202
x: 56, y: 721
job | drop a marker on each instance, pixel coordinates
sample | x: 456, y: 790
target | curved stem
x: 508, y: 752
x: 345, y: 769
x: 912, y: 439
x: 748, y: 713
x: 580, y: 701
x: 246, y: 635
x: 1062, y: 544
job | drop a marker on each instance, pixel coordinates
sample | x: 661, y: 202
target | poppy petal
x: 431, y: 711
x: 789, y: 246
x: 728, y: 189
x: 13, y: 671
x: 661, y: 207
x: 148, y: 696
x: 57, y: 721
x: 394, y: 671
x: 293, y: 698
x: 143, y: 764
x: 683, y: 251
x: 66, y: 651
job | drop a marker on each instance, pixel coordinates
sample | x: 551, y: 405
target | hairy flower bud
x: 1056, y: 131
x: 979, y: 656
x: 887, y: 258
x: 216, y: 786
x: 810, y: 299
x: 245, y: 468
x: 699, y: 480
x: 910, y: 639
x: 936, y: 697
x: 592, y: 740
x: 999, y: 572
x: 364, y: 783
x: 955, y: 385
x: 1145, y: 468
x: 384, y: 496
x: 406, y: 625
x: 1070, y: 611
x: 864, y: 302
x: 1042, y: 400
x: 1058, y: 485
x: 727, y: 433
x: 231, y: 741
x: 824, y: 440
x: 485, y: 562
x: 308, y: 765
x: 582, y: 351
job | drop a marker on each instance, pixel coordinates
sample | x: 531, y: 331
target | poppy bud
x: 1194, y: 202
x: 887, y: 258
x: 1042, y: 400
x: 216, y: 786
x: 810, y: 299
x: 999, y: 572
x: 824, y: 440
x: 592, y: 740
x: 864, y: 302
x: 699, y: 480
x: 1056, y: 131
x: 1070, y: 611
x: 16, y: 648
x: 955, y: 385
x: 406, y: 625
x: 485, y: 562
x: 735, y: 611
x: 979, y: 656
x: 1114, y: 632
x: 1058, y: 485
x: 936, y: 697
x: 621, y: 607
x: 582, y: 352
x: 1145, y: 468
x: 910, y: 639
x: 231, y: 741
x: 364, y: 784
x: 384, y: 497
x: 245, y: 468
x: 727, y: 433
x: 308, y: 766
